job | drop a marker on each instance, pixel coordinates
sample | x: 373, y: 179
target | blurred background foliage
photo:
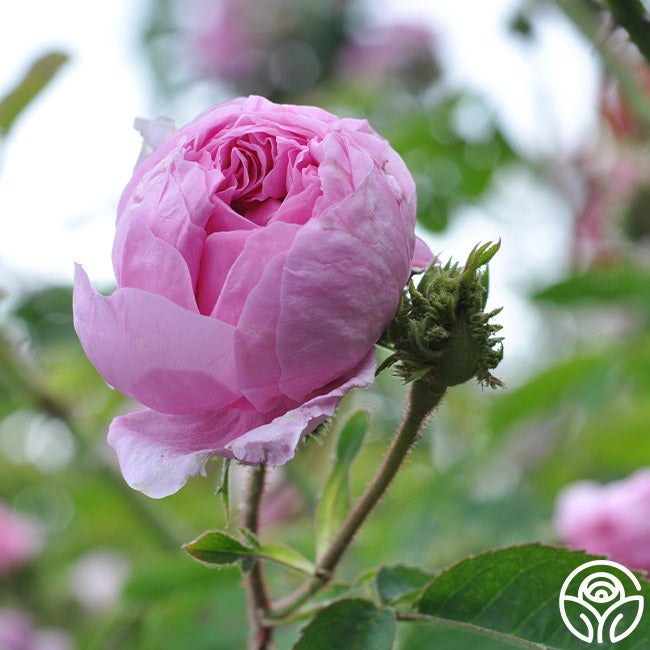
x: 488, y: 467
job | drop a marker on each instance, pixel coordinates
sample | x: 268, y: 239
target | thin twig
x: 258, y: 600
x: 423, y: 399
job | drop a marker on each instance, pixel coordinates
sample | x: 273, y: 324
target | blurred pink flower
x: 21, y: 539
x: 611, y: 519
x: 17, y: 632
x: 260, y: 252
x: 97, y: 578
x: 222, y: 40
x: 401, y: 51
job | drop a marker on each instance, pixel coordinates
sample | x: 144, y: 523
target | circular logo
x: 594, y: 604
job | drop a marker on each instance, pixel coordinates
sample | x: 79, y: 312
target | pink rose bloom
x: 611, y: 519
x: 260, y: 252
x: 20, y: 539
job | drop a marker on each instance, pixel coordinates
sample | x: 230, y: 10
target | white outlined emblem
x: 594, y: 605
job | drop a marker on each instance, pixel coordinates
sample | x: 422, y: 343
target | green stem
x: 258, y: 599
x: 32, y: 390
x: 423, y: 398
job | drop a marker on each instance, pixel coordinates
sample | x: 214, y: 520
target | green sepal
x: 441, y: 333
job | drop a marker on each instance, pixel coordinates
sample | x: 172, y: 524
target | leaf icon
x: 579, y: 615
x: 625, y: 616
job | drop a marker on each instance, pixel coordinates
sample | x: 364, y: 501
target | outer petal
x: 154, y: 134
x: 158, y: 453
x: 422, y: 256
x: 154, y: 351
x: 344, y: 275
x: 275, y: 443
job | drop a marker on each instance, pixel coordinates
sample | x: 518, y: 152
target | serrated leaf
x: 217, y: 548
x: 514, y: 594
x: 395, y: 581
x: 349, y: 624
x: 334, y: 502
x: 37, y: 77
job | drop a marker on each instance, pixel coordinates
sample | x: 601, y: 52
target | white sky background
x: 71, y: 153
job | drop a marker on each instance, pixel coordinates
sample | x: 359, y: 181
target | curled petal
x: 275, y: 443
x: 152, y: 350
x: 422, y: 256
x: 154, y: 134
x: 158, y: 452
x: 137, y: 251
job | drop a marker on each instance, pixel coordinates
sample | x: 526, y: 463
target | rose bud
x: 611, y: 519
x: 260, y: 252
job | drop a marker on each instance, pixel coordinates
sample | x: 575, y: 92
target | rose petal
x: 258, y: 368
x: 220, y: 251
x: 261, y: 246
x: 137, y: 251
x: 422, y: 256
x: 352, y: 261
x: 154, y: 134
x: 154, y: 351
x: 158, y: 452
x: 275, y: 443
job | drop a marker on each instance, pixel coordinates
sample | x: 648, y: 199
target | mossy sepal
x: 441, y: 333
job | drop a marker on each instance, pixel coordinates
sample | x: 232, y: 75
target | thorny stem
x: 258, y: 600
x: 423, y: 398
x: 27, y: 381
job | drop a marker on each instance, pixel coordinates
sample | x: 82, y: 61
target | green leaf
x: 349, y: 624
x: 395, y: 581
x: 605, y: 285
x: 38, y: 76
x: 513, y: 594
x: 217, y: 548
x: 334, y: 503
x: 351, y: 438
x: 286, y: 555
x: 48, y: 314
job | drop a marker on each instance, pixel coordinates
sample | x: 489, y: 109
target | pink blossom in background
x: 97, y: 578
x: 21, y: 539
x: 221, y: 40
x: 17, y: 632
x: 610, y: 519
x: 260, y: 252
x: 402, y: 51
